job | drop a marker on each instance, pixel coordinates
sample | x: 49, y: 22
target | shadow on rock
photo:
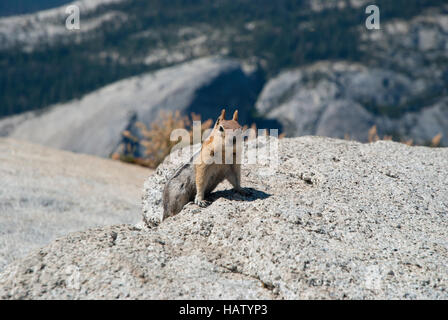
x: 231, y: 194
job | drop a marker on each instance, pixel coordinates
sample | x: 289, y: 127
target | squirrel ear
x: 235, y: 115
x: 221, y: 117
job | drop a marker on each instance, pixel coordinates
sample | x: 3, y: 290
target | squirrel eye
x: 221, y: 129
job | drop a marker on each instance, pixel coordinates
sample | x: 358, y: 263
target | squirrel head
x: 222, y: 124
x: 226, y: 132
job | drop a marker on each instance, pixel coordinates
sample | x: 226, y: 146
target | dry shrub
x: 373, y: 137
x: 254, y: 132
x: 155, y: 140
x: 435, y: 142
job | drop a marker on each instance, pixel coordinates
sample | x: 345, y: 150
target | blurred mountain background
x: 9, y: 8
x: 305, y: 67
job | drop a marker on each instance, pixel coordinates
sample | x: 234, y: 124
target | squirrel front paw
x: 201, y: 202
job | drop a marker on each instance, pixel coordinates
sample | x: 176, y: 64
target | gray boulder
x: 335, y: 220
x: 47, y: 193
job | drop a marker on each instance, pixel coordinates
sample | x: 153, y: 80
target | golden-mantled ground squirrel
x: 197, y: 178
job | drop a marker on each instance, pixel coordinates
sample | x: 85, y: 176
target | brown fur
x: 195, y: 181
